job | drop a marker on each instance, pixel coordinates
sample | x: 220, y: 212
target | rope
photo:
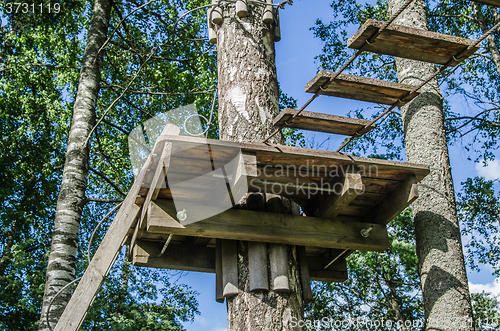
x: 336, y: 74
x: 446, y: 65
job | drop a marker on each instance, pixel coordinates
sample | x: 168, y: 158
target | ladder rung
x: 323, y: 122
x: 360, y: 88
x: 411, y: 43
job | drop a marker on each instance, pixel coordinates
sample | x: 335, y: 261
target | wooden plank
x: 280, y: 155
x: 257, y: 266
x: 331, y: 205
x: 278, y: 260
x: 494, y: 3
x: 176, y: 256
x: 335, y: 273
x: 360, y: 88
x: 305, y: 279
x: 395, y: 202
x: 323, y: 122
x: 269, y: 227
x: 411, y: 43
x: 229, y: 268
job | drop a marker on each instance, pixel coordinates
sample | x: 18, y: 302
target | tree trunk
x: 492, y: 46
x: 62, y: 258
x: 248, y: 102
x: 445, y: 290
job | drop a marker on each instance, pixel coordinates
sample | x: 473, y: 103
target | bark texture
x: 491, y: 44
x: 445, y: 290
x: 62, y: 258
x: 248, y: 102
x: 248, y: 84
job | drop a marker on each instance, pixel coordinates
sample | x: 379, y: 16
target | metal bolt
x: 366, y: 232
x: 182, y: 215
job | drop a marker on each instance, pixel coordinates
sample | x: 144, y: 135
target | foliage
x: 486, y: 311
x: 381, y: 286
x: 479, y: 207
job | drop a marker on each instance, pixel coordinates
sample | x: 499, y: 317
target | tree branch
x: 107, y: 180
x: 103, y: 200
x: 154, y: 93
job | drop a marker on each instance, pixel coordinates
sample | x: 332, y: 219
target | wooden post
x: 241, y: 8
x: 304, y: 274
x: 257, y: 266
x: 212, y: 36
x: 278, y: 257
x: 216, y: 13
x: 219, y: 289
x: 229, y: 268
x: 268, y: 17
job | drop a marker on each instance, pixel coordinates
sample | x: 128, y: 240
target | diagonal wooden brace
x: 105, y: 256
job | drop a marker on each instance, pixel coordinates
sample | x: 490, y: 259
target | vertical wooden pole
x: 212, y: 36
x: 268, y: 17
x: 241, y: 8
x: 278, y: 257
x: 216, y: 13
x: 304, y: 274
x: 229, y: 268
x: 219, y: 288
x: 257, y: 266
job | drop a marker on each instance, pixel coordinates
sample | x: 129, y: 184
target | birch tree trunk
x: 445, y: 289
x: 248, y: 102
x: 71, y: 200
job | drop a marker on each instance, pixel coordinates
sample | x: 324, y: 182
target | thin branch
x: 127, y: 134
x: 459, y: 16
x: 42, y: 65
x: 112, y: 33
x: 107, y: 180
x: 103, y: 200
x: 154, y: 93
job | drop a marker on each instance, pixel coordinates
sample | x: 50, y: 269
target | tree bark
x: 445, y: 290
x: 490, y: 40
x: 248, y: 102
x: 62, y: 258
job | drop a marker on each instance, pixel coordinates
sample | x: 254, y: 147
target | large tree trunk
x: 445, y: 290
x: 62, y: 258
x: 248, y: 101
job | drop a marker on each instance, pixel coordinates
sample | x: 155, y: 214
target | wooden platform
x: 411, y: 43
x: 360, y: 88
x: 495, y: 3
x: 323, y: 122
x: 185, y: 171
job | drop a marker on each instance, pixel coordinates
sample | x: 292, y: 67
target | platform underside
x: 340, y: 194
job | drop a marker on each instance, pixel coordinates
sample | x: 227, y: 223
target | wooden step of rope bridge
x: 411, y: 43
x: 323, y: 122
x: 360, y: 88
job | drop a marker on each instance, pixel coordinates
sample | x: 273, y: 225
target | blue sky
x: 296, y: 66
